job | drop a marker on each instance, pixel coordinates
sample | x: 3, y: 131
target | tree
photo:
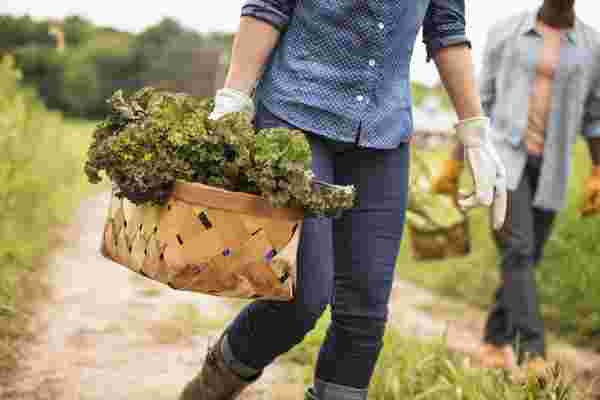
x: 43, y: 67
x: 77, y: 30
x: 22, y: 31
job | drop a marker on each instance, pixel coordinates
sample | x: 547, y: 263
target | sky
x: 223, y: 15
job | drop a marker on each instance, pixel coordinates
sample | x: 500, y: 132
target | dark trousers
x: 515, y: 317
x: 346, y: 262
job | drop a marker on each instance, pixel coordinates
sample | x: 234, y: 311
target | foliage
x: 415, y: 370
x: 22, y: 31
x: 39, y: 187
x: 568, y: 275
x: 155, y: 137
x: 151, y: 43
x: 43, y: 68
x: 97, y: 61
x: 172, y: 57
x: 77, y: 30
x: 91, y: 75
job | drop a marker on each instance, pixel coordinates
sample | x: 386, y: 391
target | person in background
x: 540, y: 86
x: 339, y: 71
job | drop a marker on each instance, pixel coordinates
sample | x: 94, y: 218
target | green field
x: 569, y: 276
x: 41, y: 184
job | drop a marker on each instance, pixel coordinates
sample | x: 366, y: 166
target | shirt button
x: 381, y: 25
x: 360, y: 98
x: 372, y: 62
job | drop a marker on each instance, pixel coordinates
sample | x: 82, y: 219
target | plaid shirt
x: 342, y: 67
x: 509, y: 71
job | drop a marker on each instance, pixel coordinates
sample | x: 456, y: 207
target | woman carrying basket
x: 339, y: 71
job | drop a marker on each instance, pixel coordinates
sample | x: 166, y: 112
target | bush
x: 98, y: 61
x: 44, y: 68
x: 22, y: 31
x: 79, y: 81
x: 77, y: 30
x: 41, y: 181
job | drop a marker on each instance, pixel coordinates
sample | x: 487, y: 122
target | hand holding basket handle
x: 488, y: 172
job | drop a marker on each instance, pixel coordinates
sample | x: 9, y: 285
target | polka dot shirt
x: 341, y: 68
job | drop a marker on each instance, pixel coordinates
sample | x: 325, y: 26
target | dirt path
x: 110, y: 334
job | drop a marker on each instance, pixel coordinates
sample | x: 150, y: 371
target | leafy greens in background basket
x: 153, y: 138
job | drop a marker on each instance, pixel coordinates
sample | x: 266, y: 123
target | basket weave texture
x: 443, y: 243
x: 208, y: 240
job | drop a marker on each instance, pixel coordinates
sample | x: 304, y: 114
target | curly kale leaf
x: 153, y: 138
x: 282, y: 171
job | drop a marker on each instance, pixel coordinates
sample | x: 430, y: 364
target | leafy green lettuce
x: 153, y: 138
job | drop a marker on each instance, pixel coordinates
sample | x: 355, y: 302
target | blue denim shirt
x: 341, y: 68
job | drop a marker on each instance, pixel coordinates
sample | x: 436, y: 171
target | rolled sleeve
x: 278, y: 13
x: 591, y: 117
x: 444, y: 26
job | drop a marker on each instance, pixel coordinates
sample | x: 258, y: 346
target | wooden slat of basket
x: 286, y: 260
x: 136, y: 259
x: 150, y: 219
x: 230, y: 228
x: 154, y: 265
x: 211, y: 197
x: 278, y: 232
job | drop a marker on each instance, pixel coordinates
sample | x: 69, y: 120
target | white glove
x: 488, y: 171
x: 231, y: 100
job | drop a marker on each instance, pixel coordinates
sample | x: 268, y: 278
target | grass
x: 410, y: 369
x: 41, y: 183
x: 184, y: 322
x: 23, y: 253
x: 568, y: 277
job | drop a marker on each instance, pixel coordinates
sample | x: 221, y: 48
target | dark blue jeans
x: 346, y: 262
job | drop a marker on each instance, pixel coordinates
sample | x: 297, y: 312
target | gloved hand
x: 591, y: 198
x: 447, y: 181
x: 230, y: 100
x: 488, y: 171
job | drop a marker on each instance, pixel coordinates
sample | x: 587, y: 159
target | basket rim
x: 438, y: 229
x: 200, y: 194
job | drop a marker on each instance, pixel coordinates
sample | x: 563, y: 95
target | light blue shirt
x: 509, y: 71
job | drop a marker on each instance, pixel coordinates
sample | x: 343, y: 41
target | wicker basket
x: 208, y: 240
x: 443, y: 243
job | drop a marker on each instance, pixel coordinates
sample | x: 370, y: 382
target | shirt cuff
x: 592, y: 131
x: 262, y: 11
x: 436, y: 44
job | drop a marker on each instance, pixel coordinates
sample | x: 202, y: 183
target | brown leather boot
x: 215, y: 381
x: 491, y: 356
x: 535, y: 368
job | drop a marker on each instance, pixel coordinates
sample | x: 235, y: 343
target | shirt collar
x: 530, y: 26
